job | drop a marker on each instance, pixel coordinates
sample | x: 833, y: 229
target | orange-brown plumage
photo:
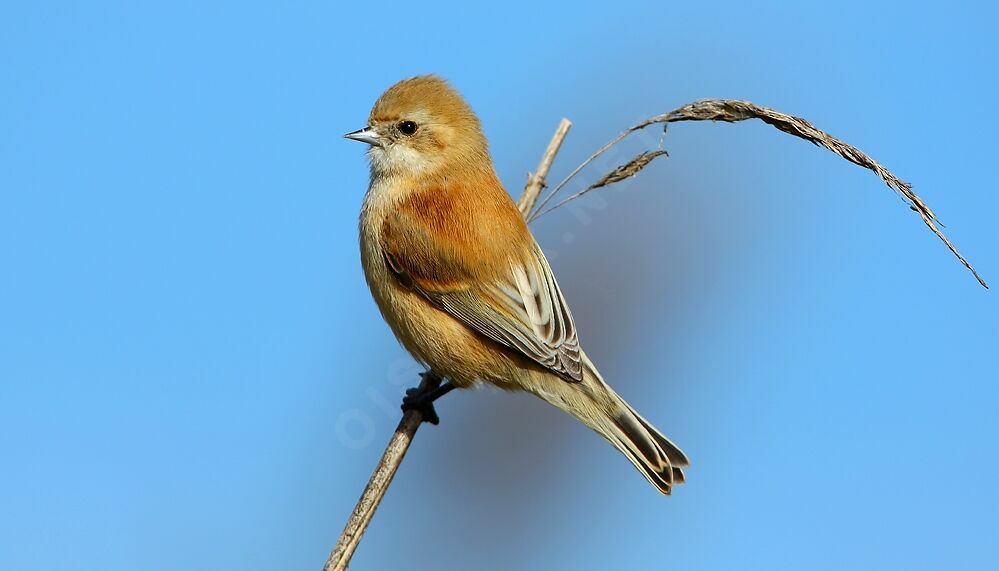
x: 445, y: 232
x: 460, y: 279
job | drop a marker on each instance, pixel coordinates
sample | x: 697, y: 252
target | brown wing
x: 502, y: 288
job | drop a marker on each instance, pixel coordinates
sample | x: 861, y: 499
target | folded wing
x: 512, y: 298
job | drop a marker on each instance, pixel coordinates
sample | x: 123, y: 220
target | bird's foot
x: 422, y: 398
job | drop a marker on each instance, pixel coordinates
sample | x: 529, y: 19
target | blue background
x: 193, y: 374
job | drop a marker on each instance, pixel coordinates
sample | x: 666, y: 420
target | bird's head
x: 420, y: 125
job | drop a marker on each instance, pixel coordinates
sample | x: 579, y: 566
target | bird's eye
x: 407, y: 128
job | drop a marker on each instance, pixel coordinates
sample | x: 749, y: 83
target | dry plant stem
x: 403, y: 436
x: 377, y: 485
x: 372, y: 496
x: 536, y: 181
x: 600, y: 151
x: 627, y: 170
x: 731, y: 110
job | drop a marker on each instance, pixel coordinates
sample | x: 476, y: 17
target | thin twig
x: 377, y: 485
x: 627, y: 170
x: 403, y: 436
x: 575, y: 171
x: 731, y: 110
x: 536, y: 181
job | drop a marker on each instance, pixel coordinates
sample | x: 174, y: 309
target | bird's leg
x: 422, y: 398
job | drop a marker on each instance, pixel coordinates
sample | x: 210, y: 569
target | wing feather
x: 522, y: 309
x: 441, y: 242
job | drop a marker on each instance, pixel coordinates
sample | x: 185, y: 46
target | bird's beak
x: 367, y: 135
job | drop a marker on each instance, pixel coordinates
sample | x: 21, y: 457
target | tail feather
x: 594, y: 403
x: 673, y: 452
x: 633, y: 437
x: 655, y: 456
x: 660, y: 477
x: 678, y: 477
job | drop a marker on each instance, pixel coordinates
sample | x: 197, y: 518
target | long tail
x: 597, y: 405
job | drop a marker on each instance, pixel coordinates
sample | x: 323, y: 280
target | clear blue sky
x: 193, y: 374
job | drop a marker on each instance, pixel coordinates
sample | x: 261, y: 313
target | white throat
x: 395, y: 159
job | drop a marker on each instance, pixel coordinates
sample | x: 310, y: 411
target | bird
x: 463, y: 284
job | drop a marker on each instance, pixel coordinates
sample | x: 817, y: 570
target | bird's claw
x: 418, y: 399
x: 422, y: 398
